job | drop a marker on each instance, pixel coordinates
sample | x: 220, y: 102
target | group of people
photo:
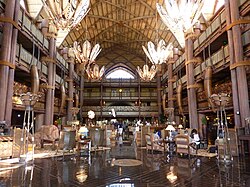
x: 194, y: 138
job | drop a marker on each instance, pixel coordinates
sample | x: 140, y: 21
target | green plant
x: 204, y: 120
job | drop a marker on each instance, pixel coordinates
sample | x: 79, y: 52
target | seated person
x: 194, y: 138
x: 157, y: 136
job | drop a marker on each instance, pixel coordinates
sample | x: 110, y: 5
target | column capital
x: 48, y: 28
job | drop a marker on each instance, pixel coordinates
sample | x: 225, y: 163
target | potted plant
x: 204, y: 126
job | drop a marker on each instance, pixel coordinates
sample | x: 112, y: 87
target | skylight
x: 119, y: 73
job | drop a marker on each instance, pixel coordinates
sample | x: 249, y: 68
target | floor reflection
x: 98, y: 170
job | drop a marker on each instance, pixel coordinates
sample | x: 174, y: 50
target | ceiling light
x: 180, y: 16
x: 146, y: 73
x: 85, y: 55
x: 66, y: 14
x: 94, y: 73
x: 159, y: 54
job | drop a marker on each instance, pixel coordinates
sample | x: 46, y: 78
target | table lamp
x: 83, y: 131
x: 170, y: 128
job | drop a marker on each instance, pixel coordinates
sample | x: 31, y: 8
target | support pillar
x: 101, y: 102
x: 241, y: 77
x: 191, y: 90
x: 232, y: 71
x: 5, y: 57
x: 71, y: 62
x: 171, y: 79
x: 8, y: 108
x: 158, y: 81
x: 50, y: 31
x: 139, y: 97
x: 81, y: 96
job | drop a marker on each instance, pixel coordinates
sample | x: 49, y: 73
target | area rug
x: 205, y: 153
x: 127, y: 162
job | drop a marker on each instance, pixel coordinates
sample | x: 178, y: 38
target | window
x: 119, y: 73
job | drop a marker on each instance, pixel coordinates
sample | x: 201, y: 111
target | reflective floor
x: 157, y: 170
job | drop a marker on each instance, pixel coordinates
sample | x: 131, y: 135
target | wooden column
x: 240, y: 69
x: 191, y: 90
x: 171, y: 79
x: 170, y: 83
x: 101, y: 102
x: 81, y: 95
x: 50, y: 31
x: 233, y: 71
x: 8, y: 108
x: 139, y: 96
x: 5, y: 55
x: 71, y: 62
x: 158, y: 81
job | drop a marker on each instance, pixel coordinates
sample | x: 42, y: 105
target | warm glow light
x: 180, y: 16
x: 95, y: 74
x: 159, y: 54
x: 66, y: 14
x: 17, y: 100
x: 84, y: 54
x: 81, y: 175
x: 91, y: 114
x: 86, y: 57
x: 145, y: 73
x: 171, y: 175
x: 170, y: 128
x: 83, y: 129
x: 180, y: 126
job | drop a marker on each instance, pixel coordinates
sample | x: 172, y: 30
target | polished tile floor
x: 157, y: 170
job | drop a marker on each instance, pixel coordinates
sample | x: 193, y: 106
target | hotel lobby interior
x: 125, y: 93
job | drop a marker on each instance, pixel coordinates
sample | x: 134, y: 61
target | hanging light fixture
x: 66, y: 14
x: 157, y: 55
x: 86, y: 58
x: 180, y: 16
x: 146, y: 73
x: 160, y: 54
x: 85, y: 55
x: 94, y: 73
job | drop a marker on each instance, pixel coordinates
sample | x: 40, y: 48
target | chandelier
x: 146, y: 73
x: 158, y: 55
x: 85, y: 55
x: 94, y: 73
x: 180, y: 16
x: 66, y: 14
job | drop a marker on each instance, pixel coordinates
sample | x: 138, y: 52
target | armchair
x: 154, y: 145
x: 182, y: 144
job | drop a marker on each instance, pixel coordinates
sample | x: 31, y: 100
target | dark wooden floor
x: 157, y: 170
